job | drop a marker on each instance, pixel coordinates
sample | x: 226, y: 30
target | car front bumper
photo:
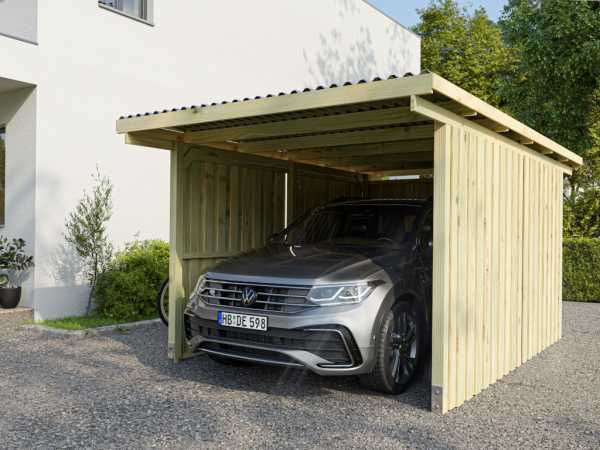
x: 315, y: 339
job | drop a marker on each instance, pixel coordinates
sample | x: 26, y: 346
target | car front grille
x: 335, y: 344
x: 279, y: 298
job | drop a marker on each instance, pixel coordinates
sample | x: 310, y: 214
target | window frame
x: 147, y: 9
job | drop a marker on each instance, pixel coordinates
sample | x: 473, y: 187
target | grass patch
x: 86, y: 322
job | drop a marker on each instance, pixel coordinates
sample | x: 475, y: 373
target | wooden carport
x: 240, y: 169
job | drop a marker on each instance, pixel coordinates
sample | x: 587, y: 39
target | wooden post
x: 176, y: 290
x: 441, y: 264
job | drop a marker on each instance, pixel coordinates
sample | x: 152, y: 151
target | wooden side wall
x: 231, y: 205
x: 408, y: 189
x: 497, y: 259
x: 311, y: 186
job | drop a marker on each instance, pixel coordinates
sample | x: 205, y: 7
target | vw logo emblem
x: 248, y: 296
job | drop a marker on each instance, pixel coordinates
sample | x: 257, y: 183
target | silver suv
x: 344, y: 290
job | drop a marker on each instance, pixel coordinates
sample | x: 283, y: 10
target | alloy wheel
x: 403, y: 343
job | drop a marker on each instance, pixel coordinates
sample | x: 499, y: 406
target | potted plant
x: 13, y: 262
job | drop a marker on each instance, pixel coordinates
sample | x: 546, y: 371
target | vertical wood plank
x: 454, y: 244
x: 500, y: 319
x: 533, y: 263
x: 209, y: 210
x: 291, y: 194
x: 471, y: 157
x: 560, y: 254
x: 518, y: 254
x: 176, y: 288
x: 508, y: 213
x: 234, y: 245
x: 538, y: 263
x: 279, y: 203
x: 488, y: 239
x: 526, y: 270
x: 480, y: 292
x: 441, y: 261
x: 545, y: 246
x: 461, y: 297
x: 193, y: 213
x: 559, y: 246
x: 495, y: 264
x: 552, y: 255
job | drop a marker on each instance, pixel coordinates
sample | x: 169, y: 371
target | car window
x: 355, y: 224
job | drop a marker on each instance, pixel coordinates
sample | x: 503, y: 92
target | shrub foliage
x: 128, y: 288
x: 581, y: 267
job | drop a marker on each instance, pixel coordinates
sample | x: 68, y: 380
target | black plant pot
x: 10, y: 297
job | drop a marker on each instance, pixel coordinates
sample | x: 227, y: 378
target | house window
x: 2, y: 172
x: 138, y: 9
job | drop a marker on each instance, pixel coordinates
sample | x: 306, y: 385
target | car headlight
x: 332, y: 295
x: 194, y: 296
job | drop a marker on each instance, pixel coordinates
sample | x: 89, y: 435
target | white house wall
x: 18, y: 19
x: 95, y: 65
x: 17, y: 115
x: 20, y: 60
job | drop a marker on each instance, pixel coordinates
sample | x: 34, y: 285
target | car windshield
x: 356, y: 224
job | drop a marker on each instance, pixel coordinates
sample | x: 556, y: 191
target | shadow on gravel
x: 288, y: 382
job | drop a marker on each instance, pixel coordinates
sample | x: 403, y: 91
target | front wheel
x: 162, y: 302
x: 398, y: 351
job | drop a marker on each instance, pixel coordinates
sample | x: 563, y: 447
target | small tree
x: 86, y: 230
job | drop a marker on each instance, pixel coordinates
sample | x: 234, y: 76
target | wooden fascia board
x: 455, y: 93
x: 338, y: 122
x: 340, y: 96
x: 433, y: 111
x: 148, y: 141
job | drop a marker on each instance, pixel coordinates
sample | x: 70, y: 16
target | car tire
x: 399, y: 349
x: 161, y: 307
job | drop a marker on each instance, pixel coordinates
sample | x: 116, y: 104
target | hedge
x: 581, y: 269
x: 127, y: 289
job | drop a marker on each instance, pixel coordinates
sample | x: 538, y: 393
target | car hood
x: 308, y: 264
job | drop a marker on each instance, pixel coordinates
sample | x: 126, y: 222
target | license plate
x: 247, y: 321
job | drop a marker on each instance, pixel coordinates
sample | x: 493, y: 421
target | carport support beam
x: 441, y: 267
x: 176, y: 290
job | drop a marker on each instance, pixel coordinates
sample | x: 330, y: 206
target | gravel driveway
x: 120, y: 391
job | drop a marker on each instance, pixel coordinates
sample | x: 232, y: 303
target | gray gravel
x: 120, y: 391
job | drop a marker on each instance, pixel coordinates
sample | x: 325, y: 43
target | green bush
x: 581, y: 269
x: 127, y: 289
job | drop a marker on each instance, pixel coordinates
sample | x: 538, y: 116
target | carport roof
x: 368, y: 127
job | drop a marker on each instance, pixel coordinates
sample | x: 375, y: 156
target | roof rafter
x: 335, y: 139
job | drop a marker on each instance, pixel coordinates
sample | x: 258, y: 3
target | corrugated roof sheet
x: 258, y: 97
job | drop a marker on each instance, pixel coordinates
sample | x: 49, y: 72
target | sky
x: 404, y: 11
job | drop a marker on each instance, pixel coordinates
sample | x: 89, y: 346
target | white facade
x: 59, y: 101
